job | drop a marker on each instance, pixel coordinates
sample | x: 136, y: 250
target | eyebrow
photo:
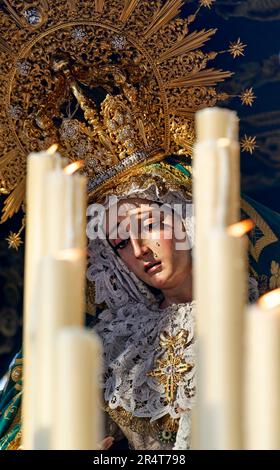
x: 140, y: 214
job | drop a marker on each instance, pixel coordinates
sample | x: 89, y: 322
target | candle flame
x: 70, y: 254
x: 240, y: 228
x: 52, y: 149
x: 270, y: 300
x: 70, y: 169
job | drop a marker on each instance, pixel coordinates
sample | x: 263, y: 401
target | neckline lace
x: 131, y: 339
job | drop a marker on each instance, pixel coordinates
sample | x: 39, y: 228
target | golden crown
x: 114, y: 83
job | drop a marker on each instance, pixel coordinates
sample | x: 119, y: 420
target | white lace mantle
x: 131, y: 348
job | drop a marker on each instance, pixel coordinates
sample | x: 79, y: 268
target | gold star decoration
x: 236, y: 48
x: 206, y: 3
x: 14, y: 240
x: 169, y: 372
x: 247, y: 97
x: 248, y: 144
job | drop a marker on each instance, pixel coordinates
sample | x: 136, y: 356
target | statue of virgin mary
x: 142, y: 271
x: 118, y: 87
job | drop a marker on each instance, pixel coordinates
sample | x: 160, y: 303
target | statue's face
x: 152, y: 242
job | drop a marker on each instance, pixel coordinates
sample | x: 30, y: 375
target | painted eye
x: 122, y: 244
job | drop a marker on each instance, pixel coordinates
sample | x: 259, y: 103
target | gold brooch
x: 171, y: 369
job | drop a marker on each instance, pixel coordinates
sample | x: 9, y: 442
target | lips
x: 151, y: 267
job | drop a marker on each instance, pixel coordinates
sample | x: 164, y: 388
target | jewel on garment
x: 171, y: 369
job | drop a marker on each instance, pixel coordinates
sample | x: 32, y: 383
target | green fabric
x: 264, y: 246
x: 10, y: 404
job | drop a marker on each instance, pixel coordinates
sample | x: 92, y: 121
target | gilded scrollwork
x: 114, y: 83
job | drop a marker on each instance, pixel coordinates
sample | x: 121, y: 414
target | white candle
x: 61, y: 303
x: 38, y: 164
x: 262, y: 374
x: 217, y: 141
x: 62, y: 282
x: 77, y: 423
x: 65, y: 210
x: 216, y: 204
x: 223, y: 357
x: 51, y: 217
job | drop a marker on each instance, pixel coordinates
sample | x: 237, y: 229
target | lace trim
x: 253, y: 291
x: 131, y: 350
x: 184, y: 432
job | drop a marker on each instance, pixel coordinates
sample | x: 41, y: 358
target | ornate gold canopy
x: 115, y: 83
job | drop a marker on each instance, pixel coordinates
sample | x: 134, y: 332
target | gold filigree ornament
x: 171, y: 369
x: 115, y: 83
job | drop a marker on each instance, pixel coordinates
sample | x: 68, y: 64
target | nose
x: 139, y: 247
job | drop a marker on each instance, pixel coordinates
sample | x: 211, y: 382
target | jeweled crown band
x: 119, y: 170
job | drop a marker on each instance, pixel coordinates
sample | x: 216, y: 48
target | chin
x: 160, y: 281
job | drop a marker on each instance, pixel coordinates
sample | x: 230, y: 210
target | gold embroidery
x: 16, y: 373
x: 11, y: 408
x: 142, y: 426
x: 15, y: 444
x: 268, y: 236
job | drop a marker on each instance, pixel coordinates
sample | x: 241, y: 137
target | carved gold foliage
x: 147, y: 67
x: 209, y: 77
x: 18, y: 20
x: 13, y: 201
x: 71, y: 4
x: 4, y: 47
x: 99, y: 5
x: 128, y: 9
x: 192, y: 41
x: 7, y: 157
x: 169, y: 10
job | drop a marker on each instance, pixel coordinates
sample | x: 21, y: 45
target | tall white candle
x: 223, y: 358
x: 77, y: 423
x: 53, y: 211
x: 62, y: 282
x: 262, y: 374
x: 216, y: 157
x: 38, y: 164
x: 61, y: 303
x: 65, y: 210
